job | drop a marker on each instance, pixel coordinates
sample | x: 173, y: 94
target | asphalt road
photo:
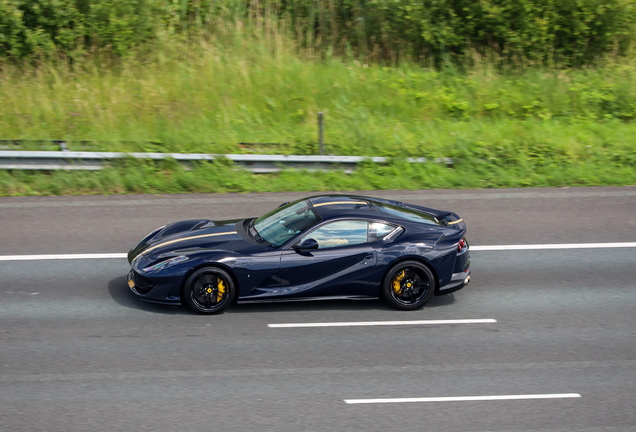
x: 79, y: 352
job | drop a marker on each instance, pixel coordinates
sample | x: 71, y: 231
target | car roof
x: 338, y: 206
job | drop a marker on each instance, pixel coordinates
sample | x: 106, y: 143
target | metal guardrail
x: 91, y: 161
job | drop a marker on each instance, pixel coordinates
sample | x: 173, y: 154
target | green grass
x: 221, y: 177
x: 506, y: 124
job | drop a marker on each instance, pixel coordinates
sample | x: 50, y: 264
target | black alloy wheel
x: 409, y: 285
x: 209, y: 290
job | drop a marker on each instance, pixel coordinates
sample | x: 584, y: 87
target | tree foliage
x: 571, y: 30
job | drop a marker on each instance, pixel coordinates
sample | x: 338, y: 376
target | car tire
x: 408, y: 285
x: 209, y: 290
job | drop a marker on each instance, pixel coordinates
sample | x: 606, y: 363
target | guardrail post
x: 321, y: 143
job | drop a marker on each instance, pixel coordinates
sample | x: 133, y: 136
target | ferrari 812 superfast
x: 317, y: 248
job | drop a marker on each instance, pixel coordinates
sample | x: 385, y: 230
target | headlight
x: 167, y: 263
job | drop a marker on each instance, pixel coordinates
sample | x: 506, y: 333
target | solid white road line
x: 61, y: 257
x: 463, y: 398
x: 383, y: 323
x: 472, y: 248
x: 554, y: 246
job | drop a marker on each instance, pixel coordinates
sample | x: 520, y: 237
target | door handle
x: 368, y: 257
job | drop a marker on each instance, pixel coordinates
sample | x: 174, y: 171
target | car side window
x: 379, y: 230
x: 341, y: 233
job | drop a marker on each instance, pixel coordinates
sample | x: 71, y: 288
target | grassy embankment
x: 506, y: 125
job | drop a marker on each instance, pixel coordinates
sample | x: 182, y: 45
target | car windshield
x: 278, y: 226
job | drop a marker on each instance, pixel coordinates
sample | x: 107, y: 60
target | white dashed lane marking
x: 554, y: 246
x: 61, y: 257
x: 383, y: 323
x: 463, y: 398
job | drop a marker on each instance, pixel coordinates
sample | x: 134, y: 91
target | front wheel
x: 408, y: 285
x: 209, y: 290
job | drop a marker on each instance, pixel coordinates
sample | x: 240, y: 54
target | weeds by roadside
x: 221, y: 177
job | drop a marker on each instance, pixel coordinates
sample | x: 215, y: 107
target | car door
x: 341, y: 266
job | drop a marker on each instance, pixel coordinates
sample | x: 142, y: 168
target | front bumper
x: 457, y: 282
x: 147, y: 290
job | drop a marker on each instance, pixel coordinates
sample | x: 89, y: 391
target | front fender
x: 221, y: 259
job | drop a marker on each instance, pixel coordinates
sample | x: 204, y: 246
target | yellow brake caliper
x: 221, y: 291
x: 396, y: 283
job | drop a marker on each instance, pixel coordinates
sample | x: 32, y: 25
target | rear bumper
x: 457, y: 282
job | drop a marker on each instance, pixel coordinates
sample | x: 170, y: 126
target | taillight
x: 461, y: 245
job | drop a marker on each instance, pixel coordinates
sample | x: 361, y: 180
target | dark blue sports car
x: 323, y: 247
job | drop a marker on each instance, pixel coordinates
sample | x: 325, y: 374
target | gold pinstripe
x: 186, y: 239
x: 456, y: 222
x: 339, y: 202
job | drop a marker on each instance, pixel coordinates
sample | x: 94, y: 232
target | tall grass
x: 219, y: 177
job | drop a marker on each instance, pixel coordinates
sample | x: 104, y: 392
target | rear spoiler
x: 453, y: 221
x: 446, y: 218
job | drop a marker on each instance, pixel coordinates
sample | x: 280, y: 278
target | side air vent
x: 179, y: 227
x: 142, y: 284
x: 203, y: 225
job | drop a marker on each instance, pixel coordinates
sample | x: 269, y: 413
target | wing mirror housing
x: 308, y: 244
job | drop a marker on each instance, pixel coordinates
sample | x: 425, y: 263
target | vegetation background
x: 518, y: 92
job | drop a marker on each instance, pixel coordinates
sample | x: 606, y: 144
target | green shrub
x: 39, y: 26
x: 534, y: 29
x: 574, y: 31
x: 119, y: 24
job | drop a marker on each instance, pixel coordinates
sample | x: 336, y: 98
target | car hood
x: 191, y: 236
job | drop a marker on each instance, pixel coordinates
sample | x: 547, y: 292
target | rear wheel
x: 408, y: 285
x: 209, y: 290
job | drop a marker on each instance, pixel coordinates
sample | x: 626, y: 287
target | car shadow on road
x: 331, y: 305
x: 444, y: 300
x: 309, y: 306
x: 121, y: 294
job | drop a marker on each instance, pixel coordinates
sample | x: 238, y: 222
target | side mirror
x: 307, y: 245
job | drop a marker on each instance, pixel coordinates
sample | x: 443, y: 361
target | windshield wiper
x: 253, y: 232
x: 248, y: 226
